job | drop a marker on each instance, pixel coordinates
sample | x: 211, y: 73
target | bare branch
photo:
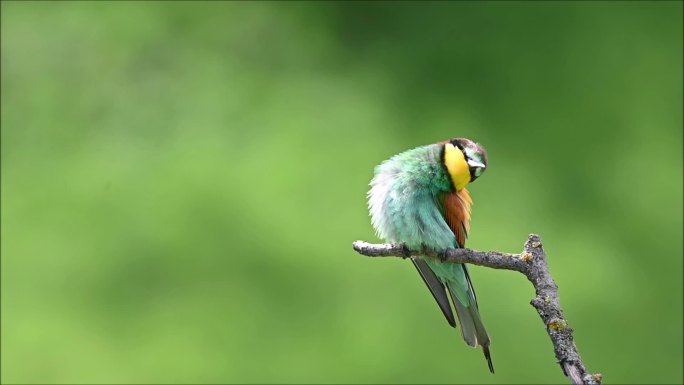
x: 532, y: 263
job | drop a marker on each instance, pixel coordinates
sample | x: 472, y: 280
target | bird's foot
x: 443, y: 255
x: 406, y: 253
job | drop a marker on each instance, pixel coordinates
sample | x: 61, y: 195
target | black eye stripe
x: 472, y: 173
x: 458, y: 145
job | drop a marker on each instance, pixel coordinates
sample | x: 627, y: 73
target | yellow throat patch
x: 457, y: 166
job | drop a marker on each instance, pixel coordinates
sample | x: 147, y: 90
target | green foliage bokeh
x: 181, y: 184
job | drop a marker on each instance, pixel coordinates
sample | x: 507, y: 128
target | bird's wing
x: 456, y: 211
x: 457, y: 215
x: 437, y: 289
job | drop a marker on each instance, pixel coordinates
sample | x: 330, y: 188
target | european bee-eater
x: 419, y: 198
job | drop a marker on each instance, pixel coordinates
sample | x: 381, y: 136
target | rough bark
x: 532, y: 263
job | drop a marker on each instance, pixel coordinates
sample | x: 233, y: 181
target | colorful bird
x: 419, y: 198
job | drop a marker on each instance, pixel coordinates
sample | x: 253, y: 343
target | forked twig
x: 532, y: 263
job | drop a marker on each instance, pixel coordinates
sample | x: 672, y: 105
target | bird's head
x: 465, y: 161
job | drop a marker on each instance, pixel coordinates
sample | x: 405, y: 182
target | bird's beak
x: 475, y: 164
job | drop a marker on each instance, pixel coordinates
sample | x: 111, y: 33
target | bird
x: 418, y: 198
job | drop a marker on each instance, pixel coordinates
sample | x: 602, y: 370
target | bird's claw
x: 443, y: 255
x: 406, y: 251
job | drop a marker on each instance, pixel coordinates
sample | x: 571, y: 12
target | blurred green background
x: 181, y: 185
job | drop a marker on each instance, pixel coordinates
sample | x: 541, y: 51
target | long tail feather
x: 472, y: 328
x: 467, y: 322
x: 485, y: 350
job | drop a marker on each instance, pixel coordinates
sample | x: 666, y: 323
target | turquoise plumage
x: 418, y: 198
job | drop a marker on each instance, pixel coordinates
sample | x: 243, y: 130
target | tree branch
x: 532, y: 263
